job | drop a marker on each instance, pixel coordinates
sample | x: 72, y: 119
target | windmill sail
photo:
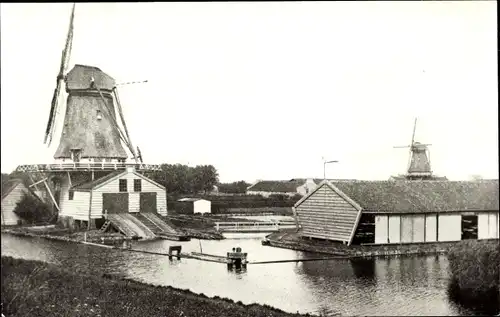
x: 122, y: 117
x: 62, y: 68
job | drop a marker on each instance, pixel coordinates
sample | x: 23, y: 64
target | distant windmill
x: 419, y: 163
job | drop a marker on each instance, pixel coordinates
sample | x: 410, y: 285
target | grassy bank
x: 32, y: 288
x: 475, y: 277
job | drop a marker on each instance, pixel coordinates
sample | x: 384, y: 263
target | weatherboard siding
x: 78, y: 207
x: 326, y: 215
x: 9, y: 203
x: 161, y: 201
x: 134, y: 202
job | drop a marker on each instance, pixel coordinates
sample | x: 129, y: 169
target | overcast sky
x: 265, y: 90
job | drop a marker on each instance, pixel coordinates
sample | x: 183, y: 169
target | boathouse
x: 125, y: 191
x: 194, y: 206
x: 13, y: 191
x: 393, y: 212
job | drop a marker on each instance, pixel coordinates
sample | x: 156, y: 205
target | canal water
x: 375, y: 287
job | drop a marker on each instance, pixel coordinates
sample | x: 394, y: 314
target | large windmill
x: 419, y: 163
x: 94, y: 140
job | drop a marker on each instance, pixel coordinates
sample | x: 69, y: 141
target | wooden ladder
x: 105, y: 226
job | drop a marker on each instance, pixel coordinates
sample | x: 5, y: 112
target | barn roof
x: 420, y: 196
x: 108, y: 178
x: 95, y: 183
x: 277, y: 186
x: 9, y: 185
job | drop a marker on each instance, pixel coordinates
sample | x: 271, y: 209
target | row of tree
x: 184, y: 179
x: 181, y: 179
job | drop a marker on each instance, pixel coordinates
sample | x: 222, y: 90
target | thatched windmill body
x: 94, y: 139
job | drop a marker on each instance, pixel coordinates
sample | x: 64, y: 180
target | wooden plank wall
x: 9, y: 203
x: 449, y: 227
x: 326, y: 215
x: 133, y: 202
x: 78, y: 208
x: 113, y: 187
x: 394, y: 229
x: 487, y: 225
x: 431, y: 227
x: 382, y: 229
x: 418, y: 228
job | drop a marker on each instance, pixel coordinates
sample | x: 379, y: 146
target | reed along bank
x: 475, y: 278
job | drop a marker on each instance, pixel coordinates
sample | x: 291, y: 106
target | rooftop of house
x: 9, y: 185
x: 422, y: 196
x: 188, y: 199
x: 93, y: 184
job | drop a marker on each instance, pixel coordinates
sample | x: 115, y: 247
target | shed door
x: 148, y: 202
x: 115, y: 203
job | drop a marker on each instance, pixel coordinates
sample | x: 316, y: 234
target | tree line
x: 181, y: 179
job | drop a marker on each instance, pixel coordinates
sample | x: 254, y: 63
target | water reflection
x: 378, y: 286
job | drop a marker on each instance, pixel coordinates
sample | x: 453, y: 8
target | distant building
x: 393, y: 212
x: 291, y: 187
x: 13, y: 191
x: 192, y: 206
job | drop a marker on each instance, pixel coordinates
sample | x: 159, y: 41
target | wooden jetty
x: 250, y: 227
x: 173, y: 236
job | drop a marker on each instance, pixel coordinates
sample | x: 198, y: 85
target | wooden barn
x: 12, y: 192
x: 118, y: 192
x: 393, y: 212
x: 192, y: 206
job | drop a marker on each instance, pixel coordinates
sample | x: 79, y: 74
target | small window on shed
x: 137, y: 185
x: 71, y: 195
x: 123, y: 185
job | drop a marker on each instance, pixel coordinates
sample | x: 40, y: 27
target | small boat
x: 237, y: 258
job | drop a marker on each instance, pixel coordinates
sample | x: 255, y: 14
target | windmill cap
x: 80, y: 77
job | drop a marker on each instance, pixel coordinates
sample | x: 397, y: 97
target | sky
x: 267, y: 90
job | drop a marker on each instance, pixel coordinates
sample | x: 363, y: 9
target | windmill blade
x: 139, y: 154
x: 401, y: 146
x: 122, y: 117
x: 62, y: 68
x: 413, y: 135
